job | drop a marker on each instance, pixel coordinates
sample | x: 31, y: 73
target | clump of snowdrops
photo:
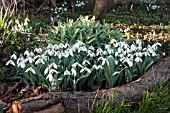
x: 80, y: 66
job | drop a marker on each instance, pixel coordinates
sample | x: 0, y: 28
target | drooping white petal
x: 10, y: 62
x: 14, y: 57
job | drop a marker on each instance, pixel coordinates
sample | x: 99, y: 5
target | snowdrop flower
x: 116, y: 62
x: 10, y: 62
x: 138, y: 59
x: 0, y: 42
x: 90, y: 53
x: 56, y: 47
x: 150, y: 50
x: 50, y: 46
x: 65, y: 54
x: 107, y: 46
x: 76, y: 64
x: 116, y: 54
x: 127, y: 29
x: 73, y: 72
x: 26, y: 21
x: 38, y: 50
x: 133, y: 47
x: 139, y: 42
x: 85, y: 62
x: 50, y: 77
x: 53, y: 65
x: 99, y: 51
x: 51, y: 52
x: 83, y: 48
x: 14, y: 57
x: 114, y: 42
x: 31, y: 70
x: 27, y: 53
x: 61, y: 46
x: 105, y: 52
x: 102, y: 59
x: 130, y: 63
x: 139, y: 54
x: 70, y: 52
x: 66, y: 72
x: 39, y: 61
x: 21, y: 62
x: 85, y: 69
x: 30, y: 59
x: 97, y: 67
x: 91, y: 48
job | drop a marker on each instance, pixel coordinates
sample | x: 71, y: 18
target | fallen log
x: 71, y: 101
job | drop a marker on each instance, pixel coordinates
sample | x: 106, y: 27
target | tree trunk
x: 71, y: 101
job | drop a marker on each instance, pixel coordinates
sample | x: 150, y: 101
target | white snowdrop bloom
x: 139, y: 42
x: 66, y: 72
x: 83, y: 48
x: 97, y: 67
x: 121, y: 55
x: 29, y: 59
x: 150, y: 50
x: 130, y: 63
x: 128, y: 50
x: 26, y: 21
x: 99, y: 51
x: 14, y: 57
x: 85, y: 69
x: 53, y: 65
x: 0, y: 42
x: 32, y: 54
x: 102, y: 59
x: 91, y: 48
x: 56, y: 47
x: 46, y: 70
x: 51, y: 52
x: 61, y: 46
x: 76, y: 64
x: 122, y: 44
x: 110, y: 51
x: 21, y: 62
x: 65, y: 9
x: 90, y: 53
x: 139, y: 47
x: 126, y: 30
x: 139, y: 54
x: 105, y: 52
x: 114, y: 42
x: 138, y: 59
x: 66, y: 45
x: 10, y: 62
x: 38, y: 50
x: 133, y: 47
x: 146, y: 53
x: 124, y: 53
x: 154, y: 54
x: 107, y: 46
x: 70, y: 52
x: 50, y: 46
x: 116, y: 62
x: 73, y: 72
x: 31, y: 70
x: 126, y: 46
x: 82, y: 3
x: 39, y: 61
x: 66, y: 54
x: 27, y: 53
x: 119, y: 50
x: 116, y: 54
x: 85, y: 62
x: 50, y: 77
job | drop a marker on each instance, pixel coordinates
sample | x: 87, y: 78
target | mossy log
x: 71, y: 101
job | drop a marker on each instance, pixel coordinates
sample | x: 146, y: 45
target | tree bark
x: 71, y: 101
